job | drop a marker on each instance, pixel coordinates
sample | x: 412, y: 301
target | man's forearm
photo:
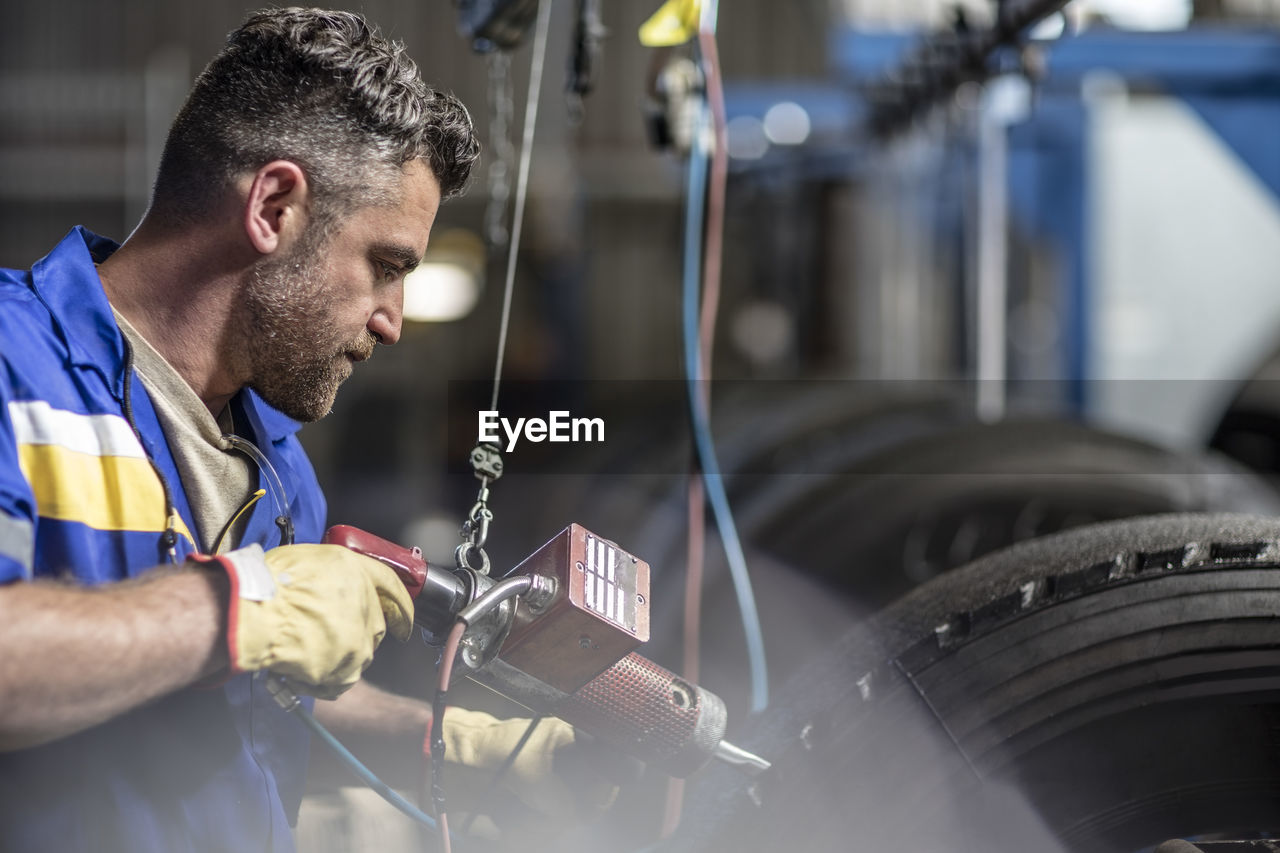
x: 366, y: 710
x: 72, y: 657
x: 384, y: 729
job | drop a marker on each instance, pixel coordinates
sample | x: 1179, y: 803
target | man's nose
x: 388, y: 317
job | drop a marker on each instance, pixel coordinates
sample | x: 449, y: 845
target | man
x: 150, y: 479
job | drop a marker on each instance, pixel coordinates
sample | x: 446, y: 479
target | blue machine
x: 1226, y: 80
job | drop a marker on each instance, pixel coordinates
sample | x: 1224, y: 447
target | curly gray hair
x: 324, y: 90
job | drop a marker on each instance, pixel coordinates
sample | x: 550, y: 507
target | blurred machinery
x: 1105, y: 198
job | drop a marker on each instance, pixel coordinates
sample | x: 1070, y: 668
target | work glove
x: 311, y: 613
x: 554, y: 776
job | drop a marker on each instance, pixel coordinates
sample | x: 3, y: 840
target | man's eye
x: 388, y: 271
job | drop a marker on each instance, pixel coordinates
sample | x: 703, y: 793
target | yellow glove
x: 311, y: 613
x: 544, y: 776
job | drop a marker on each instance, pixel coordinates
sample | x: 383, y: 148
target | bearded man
x: 151, y: 483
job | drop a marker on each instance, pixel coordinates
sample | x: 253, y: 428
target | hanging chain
x: 487, y: 465
x: 486, y: 462
x: 502, y: 157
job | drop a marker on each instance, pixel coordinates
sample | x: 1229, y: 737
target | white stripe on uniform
x: 36, y: 422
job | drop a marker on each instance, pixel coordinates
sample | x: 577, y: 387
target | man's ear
x: 275, y: 205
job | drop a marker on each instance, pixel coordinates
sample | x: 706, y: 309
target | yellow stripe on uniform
x: 103, y: 492
x: 88, y: 469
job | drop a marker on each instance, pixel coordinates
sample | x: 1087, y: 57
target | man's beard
x: 296, y: 365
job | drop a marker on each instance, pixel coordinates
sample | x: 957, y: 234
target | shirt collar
x: 67, y: 281
x: 268, y: 422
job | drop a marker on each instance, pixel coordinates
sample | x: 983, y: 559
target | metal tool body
x: 565, y: 645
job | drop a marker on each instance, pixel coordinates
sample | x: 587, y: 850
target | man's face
x: 323, y: 306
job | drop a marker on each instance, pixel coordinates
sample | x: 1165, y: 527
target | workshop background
x: 962, y: 304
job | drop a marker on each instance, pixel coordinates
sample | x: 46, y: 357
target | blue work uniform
x: 84, y: 470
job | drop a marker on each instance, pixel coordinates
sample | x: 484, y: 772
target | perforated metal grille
x: 646, y: 709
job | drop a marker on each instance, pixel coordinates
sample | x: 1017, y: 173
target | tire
x: 874, y: 499
x: 1101, y: 690
x: 928, y: 505
x: 876, y: 529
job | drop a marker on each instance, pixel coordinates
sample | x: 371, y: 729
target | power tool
x: 558, y: 636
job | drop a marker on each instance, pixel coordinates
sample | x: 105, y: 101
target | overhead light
x: 435, y: 533
x: 1050, y: 28
x: 763, y: 331
x: 446, y: 285
x: 786, y: 123
x: 1144, y: 14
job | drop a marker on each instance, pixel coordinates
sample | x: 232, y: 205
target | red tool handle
x: 407, y: 563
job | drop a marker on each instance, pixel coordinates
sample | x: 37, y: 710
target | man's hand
x: 551, y: 776
x: 311, y: 613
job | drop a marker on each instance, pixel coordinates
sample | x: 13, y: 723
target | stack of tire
x: 1101, y: 690
x: 1106, y: 683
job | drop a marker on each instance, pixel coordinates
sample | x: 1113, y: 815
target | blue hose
x: 694, y: 215
x: 383, y: 790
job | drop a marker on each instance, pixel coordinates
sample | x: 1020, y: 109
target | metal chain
x: 475, y: 532
x: 487, y: 465
x: 485, y: 459
x: 503, y: 151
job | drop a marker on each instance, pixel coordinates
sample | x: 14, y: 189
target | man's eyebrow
x: 406, y: 258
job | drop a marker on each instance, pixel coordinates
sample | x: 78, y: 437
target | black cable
x: 437, y: 764
x: 169, y: 537
x: 437, y: 749
x: 502, y: 771
x: 584, y: 53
